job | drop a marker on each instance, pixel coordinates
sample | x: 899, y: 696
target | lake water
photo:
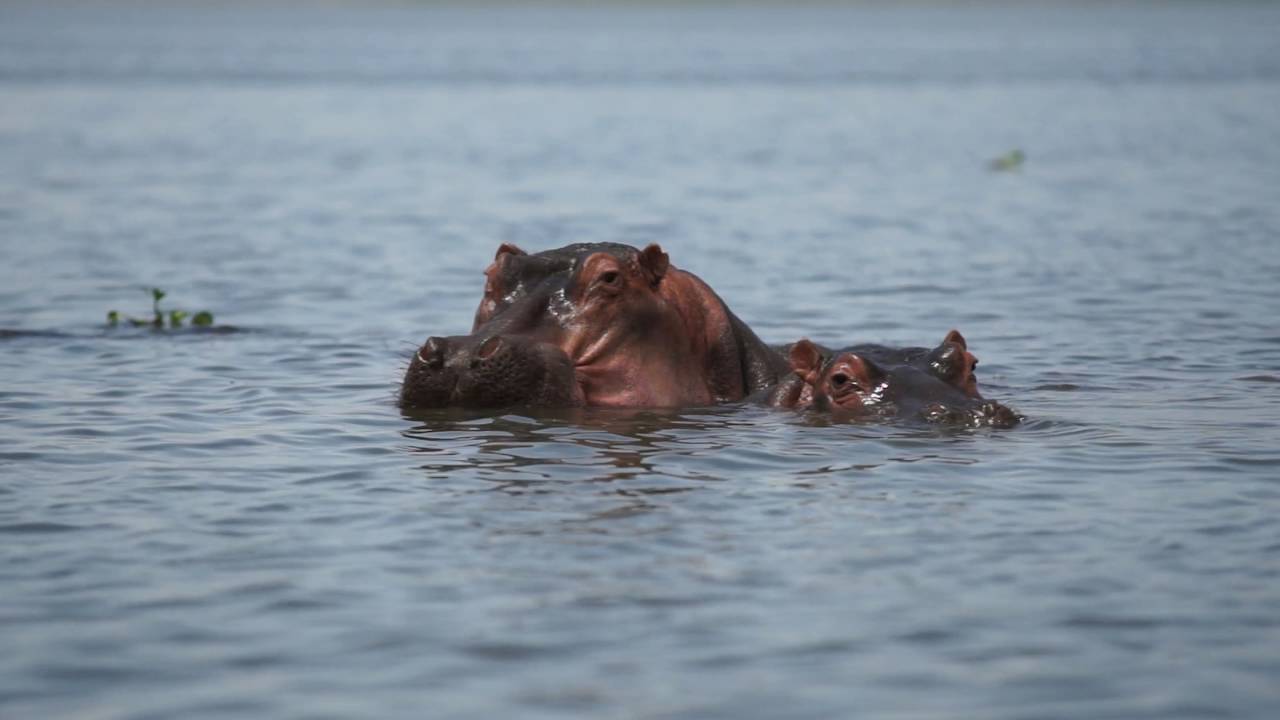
x: 241, y: 523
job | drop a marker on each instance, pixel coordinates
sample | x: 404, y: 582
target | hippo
x: 935, y: 385
x: 593, y: 324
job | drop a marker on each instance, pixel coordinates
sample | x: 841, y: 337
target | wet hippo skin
x: 467, y: 371
x: 937, y: 385
x: 632, y: 329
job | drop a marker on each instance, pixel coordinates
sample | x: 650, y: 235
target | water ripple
x: 241, y: 523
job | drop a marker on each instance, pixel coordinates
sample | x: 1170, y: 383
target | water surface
x: 242, y: 524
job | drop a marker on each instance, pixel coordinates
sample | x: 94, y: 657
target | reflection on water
x: 215, y: 524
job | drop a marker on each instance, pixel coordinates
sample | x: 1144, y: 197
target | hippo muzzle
x: 489, y: 372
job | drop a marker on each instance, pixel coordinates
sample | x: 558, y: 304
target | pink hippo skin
x: 634, y: 330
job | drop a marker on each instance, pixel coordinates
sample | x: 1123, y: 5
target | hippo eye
x: 609, y: 278
x: 839, y: 379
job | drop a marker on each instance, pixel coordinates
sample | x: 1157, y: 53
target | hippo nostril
x: 489, y: 348
x: 432, y: 353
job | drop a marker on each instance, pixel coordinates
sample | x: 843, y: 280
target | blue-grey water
x: 241, y: 523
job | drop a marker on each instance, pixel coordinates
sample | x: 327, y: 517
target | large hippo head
x: 634, y: 330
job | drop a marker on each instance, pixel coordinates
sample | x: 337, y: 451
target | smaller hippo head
x: 952, y: 363
x: 936, y: 387
x: 846, y: 381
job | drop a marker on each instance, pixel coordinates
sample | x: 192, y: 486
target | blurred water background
x: 242, y: 524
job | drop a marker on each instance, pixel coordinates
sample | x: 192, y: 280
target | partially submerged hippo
x: 595, y: 324
x: 935, y: 385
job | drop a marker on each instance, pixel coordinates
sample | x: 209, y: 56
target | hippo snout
x: 460, y: 352
x: 428, y: 382
x: 488, y: 372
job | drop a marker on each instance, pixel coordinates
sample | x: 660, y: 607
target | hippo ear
x: 806, y: 361
x: 947, y: 361
x: 654, y: 262
x: 508, y: 249
x: 955, y: 337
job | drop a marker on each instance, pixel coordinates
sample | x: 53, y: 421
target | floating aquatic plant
x: 1011, y: 160
x: 204, y: 318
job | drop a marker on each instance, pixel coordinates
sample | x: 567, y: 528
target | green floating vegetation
x: 1009, y: 161
x: 204, y: 318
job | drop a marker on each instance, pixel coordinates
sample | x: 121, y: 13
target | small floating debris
x: 1008, y: 162
x: 176, y: 318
